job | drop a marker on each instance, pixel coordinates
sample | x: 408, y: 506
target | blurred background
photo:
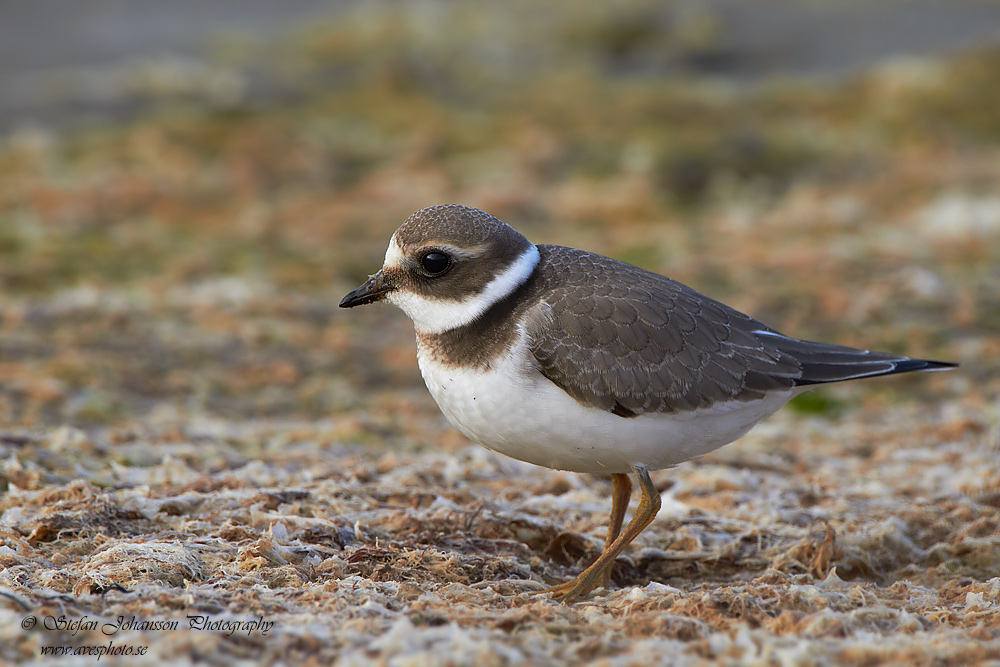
x: 188, y: 422
x: 187, y: 189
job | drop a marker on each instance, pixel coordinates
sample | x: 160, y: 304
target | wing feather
x: 629, y: 341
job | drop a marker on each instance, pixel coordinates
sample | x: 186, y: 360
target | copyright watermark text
x: 98, y: 651
x: 87, y: 625
x: 196, y: 622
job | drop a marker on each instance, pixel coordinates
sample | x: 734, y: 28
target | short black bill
x: 374, y: 289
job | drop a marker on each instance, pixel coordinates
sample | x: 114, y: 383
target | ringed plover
x: 579, y: 362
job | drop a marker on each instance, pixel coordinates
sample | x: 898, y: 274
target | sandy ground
x: 203, y: 460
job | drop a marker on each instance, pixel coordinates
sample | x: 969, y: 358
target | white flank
x: 434, y: 315
x: 513, y: 409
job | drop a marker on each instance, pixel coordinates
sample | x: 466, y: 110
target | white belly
x: 513, y: 409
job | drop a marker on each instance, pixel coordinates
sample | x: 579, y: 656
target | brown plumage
x: 575, y: 361
x: 622, y: 339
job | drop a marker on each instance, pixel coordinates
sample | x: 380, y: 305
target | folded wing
x: 641, y: 343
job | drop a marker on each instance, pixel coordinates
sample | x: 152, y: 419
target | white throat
x: 433, y: 316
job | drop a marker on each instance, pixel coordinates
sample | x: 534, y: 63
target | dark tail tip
x: 910, y: 365
x: 865, y: 367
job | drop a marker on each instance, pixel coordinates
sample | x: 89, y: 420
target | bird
x: 579, y: 362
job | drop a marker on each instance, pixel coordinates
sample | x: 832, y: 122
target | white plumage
x: 574, y: 361
x: 513, y: 409
x: 434, y: 315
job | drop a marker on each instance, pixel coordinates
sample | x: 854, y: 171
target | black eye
x: 435, y: 263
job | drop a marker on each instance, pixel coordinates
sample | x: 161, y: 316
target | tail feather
x: 819, y: 373
x: 823, y: 362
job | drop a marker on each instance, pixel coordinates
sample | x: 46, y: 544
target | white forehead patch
x: 393, y: 254
x: 432, y: 315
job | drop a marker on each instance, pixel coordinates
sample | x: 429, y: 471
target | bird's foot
x: 588, y: 581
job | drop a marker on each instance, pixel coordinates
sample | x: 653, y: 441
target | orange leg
x: 621, y: 492
x: 599, y: 574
